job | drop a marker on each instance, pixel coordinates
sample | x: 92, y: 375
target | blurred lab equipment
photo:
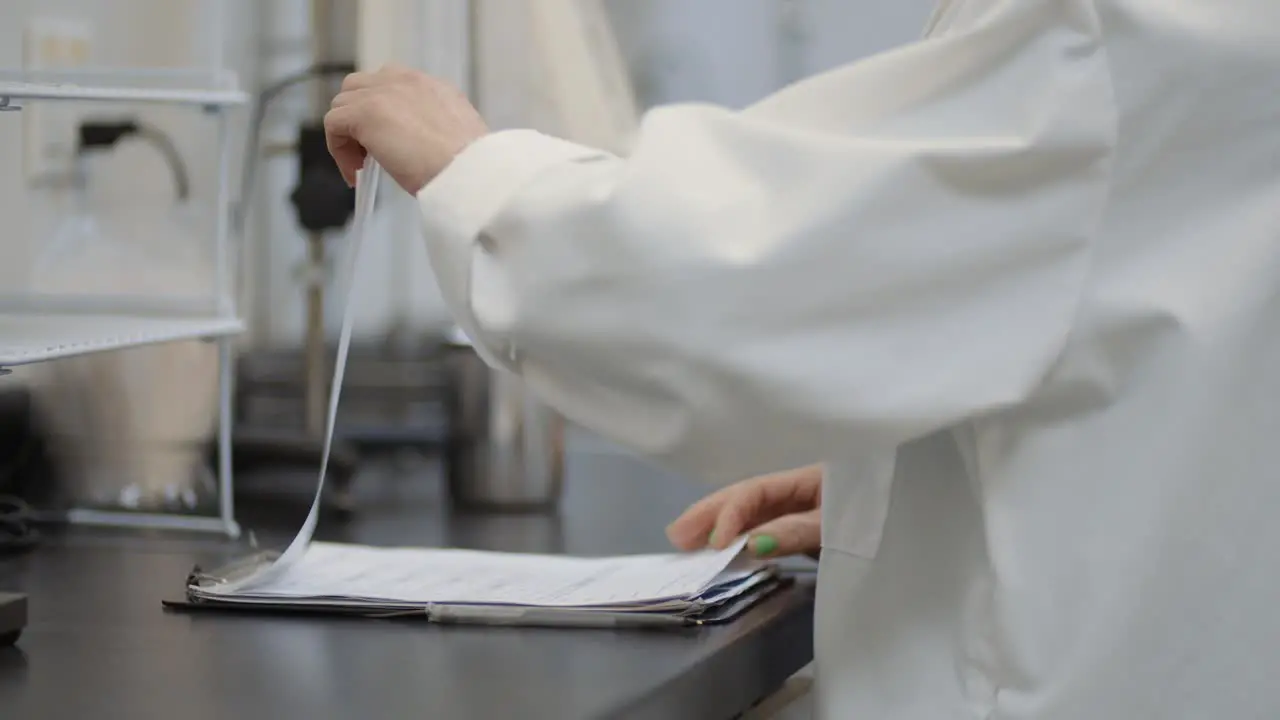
x: 130, y: 280
x: 322, y: 203
x: 128, y: 430
x: 24, y: 469
x: 17, y: 525
x: 13, y: 618
x: 392, y: 395
x: 506, y: 449
x: 392, y: 387
x: 554, y: 66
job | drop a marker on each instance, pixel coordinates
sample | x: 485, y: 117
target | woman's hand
x: 780, y: 512
x: 411, y: 123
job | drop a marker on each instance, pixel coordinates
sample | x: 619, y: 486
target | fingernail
x: 711, y: 539
x: 764, y: 545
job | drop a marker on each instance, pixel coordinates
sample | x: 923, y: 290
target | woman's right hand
x: 780, y: 513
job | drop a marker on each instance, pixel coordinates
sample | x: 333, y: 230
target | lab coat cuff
x: 463, y: 200
x: 480, y: 181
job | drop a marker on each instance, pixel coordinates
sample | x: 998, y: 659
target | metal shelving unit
x: 36, y: 328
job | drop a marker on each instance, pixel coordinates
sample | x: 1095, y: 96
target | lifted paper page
x: 367, y: 181
x: 412, y: 575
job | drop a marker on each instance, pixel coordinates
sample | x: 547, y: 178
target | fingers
x: 367, y: 117
x: 341, y: 129
x: 796, y: 534
x: 351, y: 96
x: 720, y: 518
x: 692, y: 530
x: 387, y: 73
x: 358, y: 81
x: 766, y: 498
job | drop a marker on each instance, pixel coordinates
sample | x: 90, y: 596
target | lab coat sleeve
x: 871, y: 255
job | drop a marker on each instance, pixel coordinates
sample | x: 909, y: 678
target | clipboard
x: 721, y: 614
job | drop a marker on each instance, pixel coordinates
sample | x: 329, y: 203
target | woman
x: 1016, y: 286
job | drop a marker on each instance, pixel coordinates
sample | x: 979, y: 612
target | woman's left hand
x: 412, y: 123
x: 780, y: 513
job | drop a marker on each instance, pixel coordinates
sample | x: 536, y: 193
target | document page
x: 417, y: 575
x: 367, y: 181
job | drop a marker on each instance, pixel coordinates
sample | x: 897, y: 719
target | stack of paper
x: 466, y: 586
x: 492, y: 587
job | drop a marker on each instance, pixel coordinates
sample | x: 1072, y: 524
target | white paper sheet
x: 424, y: 576
x: 367, y: 181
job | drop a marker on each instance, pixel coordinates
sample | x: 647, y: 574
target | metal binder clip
x: 232, y: 572
x: 7, y: 104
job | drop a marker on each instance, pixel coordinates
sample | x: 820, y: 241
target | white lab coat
x: 1017, y: 283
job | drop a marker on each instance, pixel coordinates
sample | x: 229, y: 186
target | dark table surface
x: 100, y: 646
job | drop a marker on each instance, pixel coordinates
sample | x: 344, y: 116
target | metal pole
x: 226, y: 474
x: 224, y: 259
x: 316, y: 355
x: 316, y: 352
x: 322, y: 15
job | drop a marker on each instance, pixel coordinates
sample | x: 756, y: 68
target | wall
x: 838, y: 31
x: 721, y: 51
x: 734, y: 52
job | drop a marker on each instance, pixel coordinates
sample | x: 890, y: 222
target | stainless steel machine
x: 506, y: 448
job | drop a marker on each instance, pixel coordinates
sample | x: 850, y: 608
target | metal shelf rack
x: 36, y: 328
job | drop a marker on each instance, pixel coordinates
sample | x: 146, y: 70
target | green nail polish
x: 764, y: 545
x: 711, y: 538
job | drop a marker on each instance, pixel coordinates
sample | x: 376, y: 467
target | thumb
x: 796, y: 534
